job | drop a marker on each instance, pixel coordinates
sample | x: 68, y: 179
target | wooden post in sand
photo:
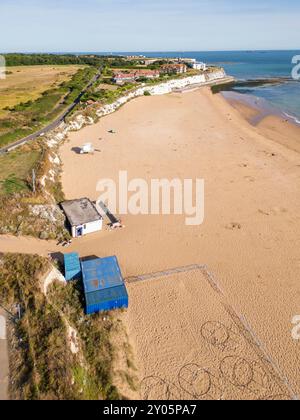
x: 33, y: 181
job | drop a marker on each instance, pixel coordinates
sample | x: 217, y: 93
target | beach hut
x: 104, y: 287
x: 83, y: 217
x: 72, y: 266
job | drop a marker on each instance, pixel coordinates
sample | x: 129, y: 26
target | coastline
x: 266, y: 120
x: 251, y: 230
x: 249, y: 240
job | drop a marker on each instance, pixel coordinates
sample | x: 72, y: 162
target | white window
x: 2, y: 328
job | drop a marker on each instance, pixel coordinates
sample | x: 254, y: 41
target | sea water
x: 248, y: 65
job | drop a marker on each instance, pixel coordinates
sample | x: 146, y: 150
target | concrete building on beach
x: 83, y: 217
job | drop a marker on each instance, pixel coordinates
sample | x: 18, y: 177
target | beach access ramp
x: 106, y: 212
x: 4, y: 363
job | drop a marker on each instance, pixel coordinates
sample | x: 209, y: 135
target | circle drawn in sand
x: 215, y: 333
x: 154, y: 388
x: 195, y: 380
x: 237, y: 370
x: 281, y: 397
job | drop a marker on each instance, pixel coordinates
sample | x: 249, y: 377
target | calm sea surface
x: 249, y: 65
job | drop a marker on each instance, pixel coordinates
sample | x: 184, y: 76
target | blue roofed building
x: 72, y: 266
x: 104, y: 287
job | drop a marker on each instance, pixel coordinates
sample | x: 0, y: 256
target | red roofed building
x: 122, y: 78
x: 148, y: 74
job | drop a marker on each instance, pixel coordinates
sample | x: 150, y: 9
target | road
x: 4, y: 369
x: 54, y: 124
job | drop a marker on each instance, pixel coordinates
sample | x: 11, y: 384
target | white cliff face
x: 161, y: 89
x: 55, y: 138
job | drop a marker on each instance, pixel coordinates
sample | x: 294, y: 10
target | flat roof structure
x: 101, y: 273
x: 104, y: 286
x: 80, y: 212
x: 72, y: 266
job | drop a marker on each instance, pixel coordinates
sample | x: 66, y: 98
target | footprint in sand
x: 233, y: 226
x: 269, y: 154
x: 265, y: 213
x: 275, y: 211
x: 250, y: 178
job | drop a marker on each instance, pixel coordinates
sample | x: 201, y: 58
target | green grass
x: 15, y: 168
x: 95, y: 332
x: 44, y: 367
x: 27, y: 118
x: 43, y: 363
x: 12, y: 185
x: 107, y: 96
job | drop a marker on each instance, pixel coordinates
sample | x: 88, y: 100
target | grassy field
x: 27, y: 83
x: 46, y: 93
x: 15, y: 168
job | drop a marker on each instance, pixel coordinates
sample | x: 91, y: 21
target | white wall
x: 159, y: 89
x: 2, y: 328
x: 162, y: 89
x: 89, y: 228
x: 93, y: 227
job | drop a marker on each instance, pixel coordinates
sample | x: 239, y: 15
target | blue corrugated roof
x: 72, y: 260
x: 101, y: 273
x: 107, y: 295
x: 72, y: 266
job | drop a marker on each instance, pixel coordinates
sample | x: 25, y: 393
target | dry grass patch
x: 27, y: 83
x: 15, y: 168
x: 42, y: 363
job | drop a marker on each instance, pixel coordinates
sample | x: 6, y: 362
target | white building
x: 200, y: 66
x: 83, y: 217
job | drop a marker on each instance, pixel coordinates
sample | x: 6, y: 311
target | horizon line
x: 148, y: 51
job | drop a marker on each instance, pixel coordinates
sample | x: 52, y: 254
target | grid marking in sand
x: 222, y: 338
x: 184, y: 269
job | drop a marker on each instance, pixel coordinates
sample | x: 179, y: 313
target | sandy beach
x: 197, y: 346
x: 250, y: 236
x: 271, y: 126
x: 249, y: 240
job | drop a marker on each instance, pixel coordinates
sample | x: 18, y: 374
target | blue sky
x: 148, y: 25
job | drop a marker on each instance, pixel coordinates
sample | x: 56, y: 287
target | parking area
x: 3, y: 357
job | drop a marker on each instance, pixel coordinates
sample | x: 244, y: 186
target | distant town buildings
x: 166, y: 67
x: 199, y: 66
x: 179, y: 68
x: 122, y: 77
x: 148, y: 74
x: 187, y: 60
x: 149, y: 61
